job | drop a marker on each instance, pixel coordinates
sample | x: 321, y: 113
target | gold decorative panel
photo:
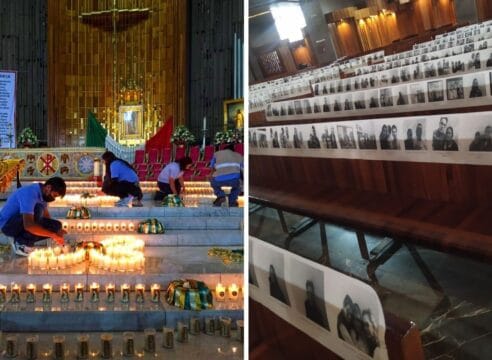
x: 110, y: 53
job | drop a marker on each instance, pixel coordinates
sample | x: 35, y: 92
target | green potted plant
x: 182, y: 136
x: 27, y: 138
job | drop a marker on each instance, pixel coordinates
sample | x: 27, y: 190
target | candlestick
x: 65, y: 293
x: 47, y: 293
x: 149, y: 335
x: 106, y: 346
x: 59, y: 347
x: 79, y: 292
x: 110, y: 293
x: 155, y: 291
x: 3, y: 293
x: 167, y: 338
x: 225, y: 326
x: 83, y: 347
x: 182, y: 332
x: 125, y: 293
x: 11, y: 350
x: 220, y: 292
x: 30, y: 296
x: 128, y: 344
x: 15, y: 293
x: 94, y: 292
x: 139, y: 293
x: 195, y: 325
x: 209, y: 326
x: 32, y: 347
x: 233, y: 292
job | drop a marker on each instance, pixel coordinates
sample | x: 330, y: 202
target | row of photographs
x: 464, y: 133
x: 342, y: 313
x: 459, y: 64
x: 463, y: 31
x: 423, y: 57
x: 446, y: 93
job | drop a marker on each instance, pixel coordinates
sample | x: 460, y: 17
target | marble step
x: 154, y: 212
x: 162, y: 265
x: 101, y: 316
x: 169, y: 238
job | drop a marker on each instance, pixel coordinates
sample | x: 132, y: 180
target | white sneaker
x: 126, y: 202
x: 22, y: 250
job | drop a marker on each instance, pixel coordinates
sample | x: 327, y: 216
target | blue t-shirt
x: 121, y: 172
x: 170, y: 170
x: 22, y: 201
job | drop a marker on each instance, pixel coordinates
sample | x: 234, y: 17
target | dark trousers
x: 165, y: 189
x: 235, y: 185
x: 122, y: 189
x: 14, y: 227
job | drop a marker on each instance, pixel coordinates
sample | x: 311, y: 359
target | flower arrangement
x: 231, y: 136
x: 27, y: 138
x: 182, y: 135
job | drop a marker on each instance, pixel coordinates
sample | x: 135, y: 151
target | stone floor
x: 447, y: 296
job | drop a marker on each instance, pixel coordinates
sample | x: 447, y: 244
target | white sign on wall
x: 7, y: 109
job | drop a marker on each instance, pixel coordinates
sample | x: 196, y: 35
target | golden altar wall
x: 146, y: 38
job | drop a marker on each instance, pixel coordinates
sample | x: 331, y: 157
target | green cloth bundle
x: 189, y: 295
x: 172, y: 201
x: 78, y: 212
x: 150, y: 226
x: 227, y: 256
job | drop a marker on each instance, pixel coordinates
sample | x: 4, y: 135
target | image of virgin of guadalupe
x: 357, y: 327
x: 314, y: 312
x: 275, y: 289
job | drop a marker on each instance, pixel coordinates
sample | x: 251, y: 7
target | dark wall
x: 212, y: 27
x: 23, y: 49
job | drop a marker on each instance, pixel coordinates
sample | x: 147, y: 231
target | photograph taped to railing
x: 340, y: 312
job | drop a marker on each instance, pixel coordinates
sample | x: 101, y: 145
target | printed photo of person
x: 357, y: 327
x: 262, y: 138
x: 337, y: 106
x: 316, y: 106
x: 326, y: 105
x: 417, y: 72
x: 402, y: 98
x: 417, y: 93
x: 415, y: 139
x: 347, y: 102
x: 346, y: 137
x: 454, y: 88
x: 388, y: 137
x: 482, y: 140
x: 475, y: 85
x: 443, y: 138
x: 430, y: 69
x: 360, y: 101
x: 386, y: 97
x: 274, y: 138
x: 373, y: 99
x: 435, y: 91
x: 253, y: 139
x: 297, y: 139
x: 366, y: 137
x: 306, y: 106
x: 285, y: 142
x: 328, y: 140
x: 313, y: 141
x: 298, y: 107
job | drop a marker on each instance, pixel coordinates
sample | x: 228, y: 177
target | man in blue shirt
x: 170, y: 179
x: 228, y: 165
x: 25, y: 215
x: 121, y: 180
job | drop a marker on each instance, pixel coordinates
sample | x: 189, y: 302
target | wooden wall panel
x: 81, y: 76
x: 22, y: 48
x: 452, y: 183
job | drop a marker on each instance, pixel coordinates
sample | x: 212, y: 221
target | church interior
x: 376, y: 116
x: 153, y: 82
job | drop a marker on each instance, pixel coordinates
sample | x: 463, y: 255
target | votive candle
x: 47, y: 288
x: 155, y: 291
x: 220, y: 292
x: 65, y: 293
x: 79, y: 292
x: 94, y: 292
x: 110, y: 289
x: 125, y: 293
x: 139, y: 293
x: 31, y: 293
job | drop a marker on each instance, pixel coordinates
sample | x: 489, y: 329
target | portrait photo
x: 313, y: 141
x: 482, y: 140
x: 435, y: 91
x: 454, y: 88
x: 388, y: 137
x: 386, y: 97
x: 474, y: 85
x: 346, y: 137
x: 360, y: 100
x: 262, y: 138
x: 366, y: 135
x: 417, y: 93
x: 373, y: 99
x: 401, y: 95
x: 444, y: 137
x: 297, y: 140
x: 414, y: 130
x: 328, y: 138
x: 285, y: 138
x: 306, y: 292
x: 347, y: 102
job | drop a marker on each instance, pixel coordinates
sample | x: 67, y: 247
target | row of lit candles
x: 94, y: 293
x: 118, y: 261
x: 45, y: 259
x: 98, y: 200
x: 222, y: 291
x: 128, y: 347
x: 91, y: 226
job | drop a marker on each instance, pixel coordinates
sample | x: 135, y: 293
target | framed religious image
x: 454, y: 88
x: 234, y: 114
x: 131, y: 122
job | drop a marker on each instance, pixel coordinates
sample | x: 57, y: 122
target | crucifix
x: 114, y: 20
